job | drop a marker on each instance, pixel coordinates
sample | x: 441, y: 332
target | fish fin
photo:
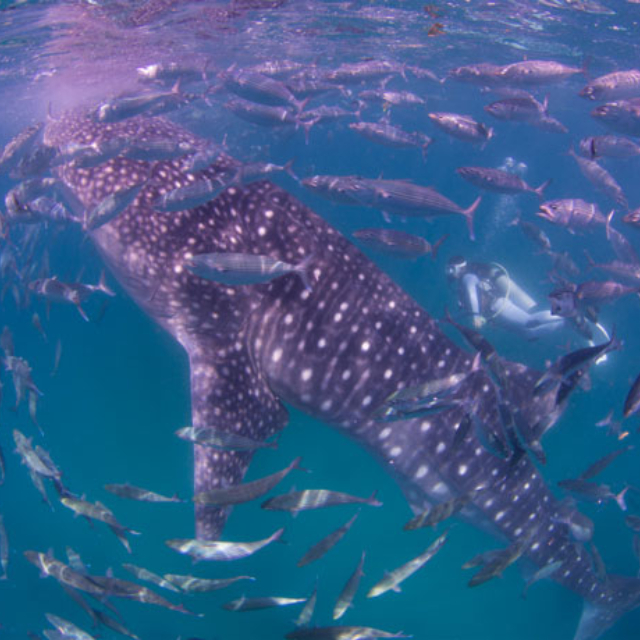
x: 436, y: 246
x: 302, y: 269
x: 85, y: 317
x: 259, y: 413
x: 469, y: 215
x: 102, y: 285
x: 540, y: 190
x: 597, y: 618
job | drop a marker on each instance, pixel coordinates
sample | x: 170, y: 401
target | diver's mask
x: 455, y: 270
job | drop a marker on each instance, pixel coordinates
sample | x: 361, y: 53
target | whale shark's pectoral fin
x: 229, y: 394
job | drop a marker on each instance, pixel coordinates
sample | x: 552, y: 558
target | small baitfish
x: 397, y: 243
x: 188, y: 196
x: 245, y: 492
x: 144, y: 574
x: 68, y: 629
x: 295, y: 501
x: 245, y: 268
x: 393, y: 579
x: 345, y: 599
x: 254, y: 604
x: 341, y: 633
x: 219, y: 550
x: 225, y: 440
x: 136, y: 493
x: 110, y: 207
x: 327, y: 543
x: 202, y: 585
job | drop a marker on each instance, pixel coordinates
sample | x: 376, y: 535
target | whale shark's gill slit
x: 227, y: 394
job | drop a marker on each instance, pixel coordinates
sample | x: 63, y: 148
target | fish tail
x: 619, y: 498
x: 468, y: 213
x: 598, y: 617
x: 437, y: 244
x: 102, y: 285
x: 301, y: 104
x: 288, y: 169
x: 373, y: 500
x: 540, y: 190
x: 302, y: 269
x: 608, y: 223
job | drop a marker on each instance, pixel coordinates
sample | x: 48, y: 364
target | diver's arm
x: 469, y: 285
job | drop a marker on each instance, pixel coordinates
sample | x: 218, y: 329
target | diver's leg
x: 516, y: 294
x: 534, y: 324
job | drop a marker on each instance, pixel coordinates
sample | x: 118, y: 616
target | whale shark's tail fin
x: 624, y: 596
x: 228, y: 394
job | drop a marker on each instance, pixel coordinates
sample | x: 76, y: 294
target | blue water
x: 122, y: 388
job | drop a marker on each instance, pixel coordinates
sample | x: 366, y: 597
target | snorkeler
x: 488, y: 293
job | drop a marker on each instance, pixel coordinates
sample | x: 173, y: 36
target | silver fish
x: 201, y: 585
x: 148, y: 576
x: 136, y: 493
x: 295, y: 501
x: 247, y: 491
x: 307, y: 611
x: 67, y: 628
x: 111, y: 207
x: 245, y: 268
x: 398, y: 243
x: 188, y: 196
x: 345, y: 599
x: 462, y: 127
x: 600, y: 178
x: 254, y: 604
x: 219, y: 550
x: 18, y: 146
x: 542, y: 574
x: 327, y: 543
x: 499, y: 181
x: 225, y: 440
x: 393, y: 579
x: 341, y: 633
x: 613, y: 86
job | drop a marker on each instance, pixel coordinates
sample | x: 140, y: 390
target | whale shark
x: 335, y: 350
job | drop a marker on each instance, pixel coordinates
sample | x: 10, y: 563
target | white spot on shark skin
x: 268, y: 213
x: 288, y: 319
x: 326, y: 405
x: 441, y: 447
x: 441, y: 363
x: 322, y: 343
x: 535, y: 546
x: 276, y: 355
x: 306, y: 374
x: 337, y: 317
x: 440, y: 489
x: 346, y: 374
x: 385, y: 433
x: 388, y: 373
x: 366, y: 401
x: 365, y: 346
x: 425, y: 425
x: 422, y: 471
x: 395, y: 452
x: 488, y: 503
x: 499, y: 516
x: 462, y: 469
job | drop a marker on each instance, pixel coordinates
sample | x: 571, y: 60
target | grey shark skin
x: 337, y: 351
